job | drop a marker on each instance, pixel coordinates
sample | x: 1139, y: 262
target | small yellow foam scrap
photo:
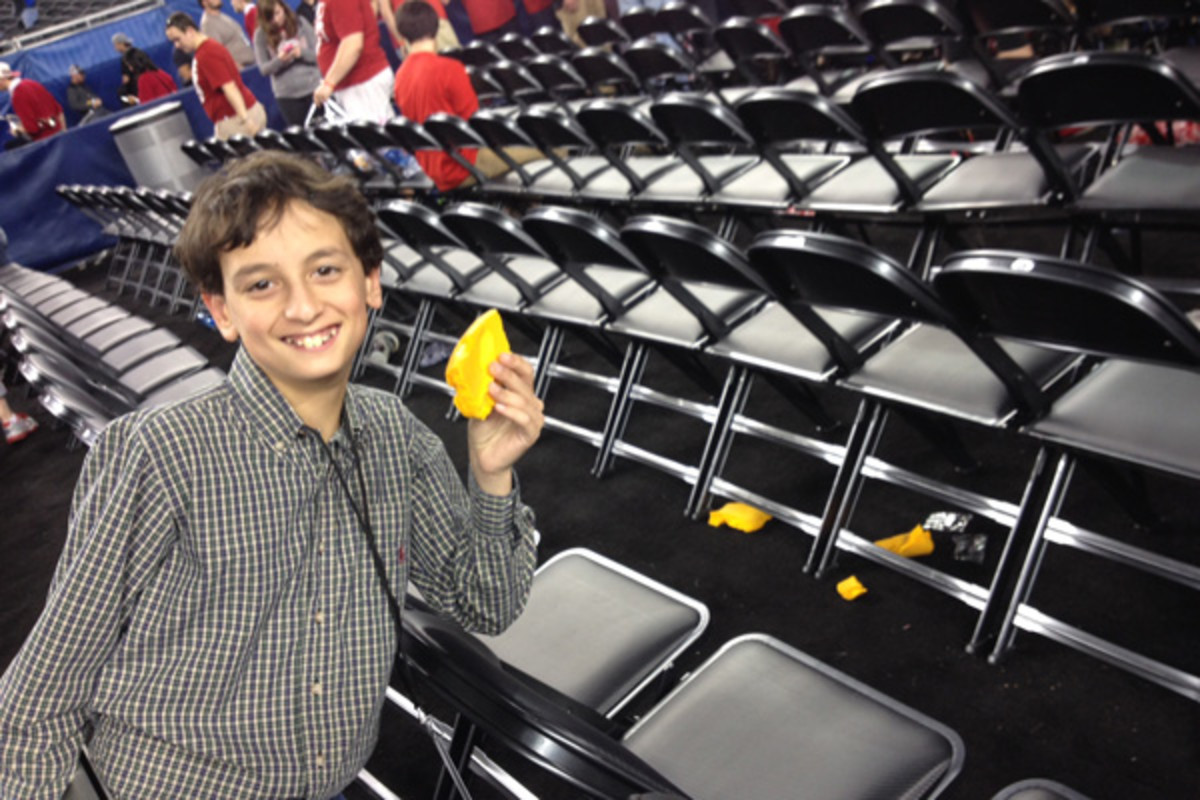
x: 467, y: 369
x: 851, y: 588
x: 916, y: 542
x: 739, y: 516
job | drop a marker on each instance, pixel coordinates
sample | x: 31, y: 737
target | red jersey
x: 534, y: 6
x: 250, y: 20
x: 487, y: 15
x: 36, y: 108
x: 212, y: 68
x: 155, y: 84
x: 425, y: 84
x: 337, y: 19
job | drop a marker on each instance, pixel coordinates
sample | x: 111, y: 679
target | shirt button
x: 319, y: 760
x: 319, y: 617
x: 320, y: 545
x: 316, y: 688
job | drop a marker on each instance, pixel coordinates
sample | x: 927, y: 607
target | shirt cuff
x: 499, y: 515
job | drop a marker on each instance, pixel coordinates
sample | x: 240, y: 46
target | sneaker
x: 18, y: 428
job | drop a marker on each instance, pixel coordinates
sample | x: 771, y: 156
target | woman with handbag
x: 285, y: 47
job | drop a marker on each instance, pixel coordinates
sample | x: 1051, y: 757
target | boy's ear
x: 374, y: 288
x: 215, y: 303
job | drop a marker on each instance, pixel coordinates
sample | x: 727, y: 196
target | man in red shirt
x: 40, y: 114
x: 354, y: 69
x: 536, y: 14
x: 227, y: 101
x: 427, y: 83
x: 491, y: 19
x: 249, y: 13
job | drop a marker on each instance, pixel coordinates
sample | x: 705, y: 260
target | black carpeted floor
x: 1047, y: 711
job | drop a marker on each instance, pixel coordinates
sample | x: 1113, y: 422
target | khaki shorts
x: 256, y: 120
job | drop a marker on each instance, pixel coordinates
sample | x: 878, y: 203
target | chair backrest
x: 516, y: 47
x: 641, y: 21
x: 744, y: 39
x: 813, y: 29
x: 550, y: 128
x: 600, y: 31
x: 477, y: 53
x: 1069, y: 305
x: 915, y: 100
x: 695, y: 119
x: 1105, y: 88
x: 577, y: 240
x: 999, y: 17
x: 490, y: 230
x: 600, y: 68
x: 780, y: 116
x: 652, y: 60
x: 612, y: 123
x: 543, y: 725
x: 556, y: 75
x: 552, y: 41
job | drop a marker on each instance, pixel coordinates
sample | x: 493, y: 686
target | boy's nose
x: 303, y: 304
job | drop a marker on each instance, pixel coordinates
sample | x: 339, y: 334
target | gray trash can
x: 150, y: 141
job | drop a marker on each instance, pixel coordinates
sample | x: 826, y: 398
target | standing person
x: 39, y: 113
x: 226, y: 32
x: 124, y: 46
x: 81, y: 99
x: 224, y: 616
x: 307, y: 9
x: 491, y: 19
x: 354, y: 68
x: 227, y: 101
x: 428, y: 83
x: 446, y: 38
x: 249, y: 13
x: 285, y: 47
x: 151, y: 82
x: 183, y: 67
x: 535, y: 14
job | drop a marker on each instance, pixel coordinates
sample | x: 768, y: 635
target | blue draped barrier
x: 45, y: 231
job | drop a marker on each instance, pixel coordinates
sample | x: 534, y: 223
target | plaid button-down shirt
x: 216, y: 620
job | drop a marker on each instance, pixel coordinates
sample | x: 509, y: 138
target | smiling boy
x: 218, y: 623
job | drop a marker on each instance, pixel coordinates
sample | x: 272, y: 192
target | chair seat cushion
x: 612, y: 185
x: 557, y: 183
x: 774, y: 339
x: 660, y: 317
x: 761, y: 720
x: 1136, y: 412
x: 763, y: 185
x: 1152, y: 179
x: 999, y: 180
x: 930, y: 367
x: 582, y: 613
x: 684, y: 185
x: 866, y: 186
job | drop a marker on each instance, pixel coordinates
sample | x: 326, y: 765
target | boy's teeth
x: 316, y: 340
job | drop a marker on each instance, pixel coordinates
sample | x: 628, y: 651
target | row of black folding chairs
x: 778, y: 151
x: 146, y: 223
x: 828, y: 46
x: 88, y: 360
x: 995, y: 342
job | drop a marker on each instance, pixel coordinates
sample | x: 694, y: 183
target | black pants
x: 295, y: 109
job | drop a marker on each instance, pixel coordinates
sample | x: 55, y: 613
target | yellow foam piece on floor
x: 739, y: 516
x: 851, y: 588
x: 467, y: 370
x: 916, y: 542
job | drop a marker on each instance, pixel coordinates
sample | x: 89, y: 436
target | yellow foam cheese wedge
x: 739, y: 516
x: 467, y: 369
x: 916, y: 542
x: 851, y: 588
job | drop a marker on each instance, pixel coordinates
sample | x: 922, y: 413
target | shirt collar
x: 270, y: 414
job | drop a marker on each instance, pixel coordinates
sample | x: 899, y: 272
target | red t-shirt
x: 487, y: 15
x: 438, y: 6
x: 337, y: 19
x: 534, y: 6
x: 212, y: 68
x: 36, y: 108
x: 425, y: 84
x: 250, y: 20
x: 155, y: 84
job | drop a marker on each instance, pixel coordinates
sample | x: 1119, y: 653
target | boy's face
x: 297, y: 297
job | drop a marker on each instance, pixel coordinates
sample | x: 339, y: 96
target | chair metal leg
x: 1011, y: 582
x: 462, y: 745
x: 547, y: 357
x: 720, y: 437
x: 864, y: 437
x: 412, y: 354
x: 622, y: 403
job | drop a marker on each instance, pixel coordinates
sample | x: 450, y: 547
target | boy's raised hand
x: 498, y: 442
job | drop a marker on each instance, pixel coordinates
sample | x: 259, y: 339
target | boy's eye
x: 259, y: 286
x: 327, y: 270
